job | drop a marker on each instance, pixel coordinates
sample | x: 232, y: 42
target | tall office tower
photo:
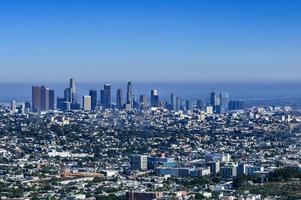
x: 107, y: 95
x: 135, y: 103
x: 36, y: 99
x: 44, y: 98
x: 51, y: 99
x: 93, y: 95
x: 215, y: 102
x: 129, y: 95
x: 60, y: 102
x: 213, y: 99
x: 102, y: 97
x: 143, y: 102
x: 224, y: 101
x: 188, y: 105
x: 173, y: 102
x: 72, y: 88
x: 13, y: 106
x: 119, y: 99
x: 236, y: 105
x: 199, y: 104
x: 66, y: 106
x: 154, y: 98
x: 87, y: 103
x: 67, y: 94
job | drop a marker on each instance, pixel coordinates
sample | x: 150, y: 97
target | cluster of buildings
x: 43, y: 99
x: 156, y: 153
x: 136, y: 151
x: 212, y: 164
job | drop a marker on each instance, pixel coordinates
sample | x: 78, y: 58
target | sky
x: 150, y: 40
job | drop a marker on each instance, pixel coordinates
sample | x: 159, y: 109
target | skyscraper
x: 224, y: 101
x: 143, y: 102
x: 72, y: 88
x: 67, y: 94
x: 36, y: 99
x: 199, y: 104
x: 119, y: 99
x: 13, y: 106
x: 44, y: 98
x: 173, y: 102
x: 51, y: 99
x: 154, y: 98
x: 93, y: 94
x: 87, y: 103
x: 236, y: 105
x: 213, y: 99
x: 107, y: 96
x: 188, y: 105
x: 102, y: 97
x: 215, y: 102
x: 129, y: 95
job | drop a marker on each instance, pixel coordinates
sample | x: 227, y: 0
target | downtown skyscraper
x: 36, y: 98
x: 72, y: 88
x: 42, y: 99
x: 173, y: 102
x: 129, y: 96
x: 107, y: 96
x: 119, y: 99
x: 154, y: 98
x: 93, y: 95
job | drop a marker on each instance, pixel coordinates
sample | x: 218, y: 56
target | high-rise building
x: 215, y: 102
x: 51, y: 99
x: 188, y: 105
x: 102, y: 97
x: 135, y: 103
x: 119, y: 99
x: 129, y: 95
x: 72, y: 88
x: 199, y: 104
x: 139, y: 162
x: 44, y: 98
x: 224, y: 101
x: 214, y: 99
x: 93, y: 95
x: 59, y: 103
x: 67, y: 94
x: 87, y: 103
x: 173, y: 102
x: 154, y: 98
x: 36, y: 98
x: 13, y: 106
x: 143, y: 102
x: 66, y: 106
x: 236, y: 105
x: 107, y: 96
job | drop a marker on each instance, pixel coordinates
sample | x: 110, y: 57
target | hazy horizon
x: 196, y: 90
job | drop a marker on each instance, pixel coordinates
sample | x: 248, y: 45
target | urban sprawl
x: 147, y: 149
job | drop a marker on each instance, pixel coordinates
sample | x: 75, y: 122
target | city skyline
x: 150, y: 40
x: 150, y: 99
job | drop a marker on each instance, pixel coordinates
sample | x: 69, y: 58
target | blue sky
x: 150, y: 40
